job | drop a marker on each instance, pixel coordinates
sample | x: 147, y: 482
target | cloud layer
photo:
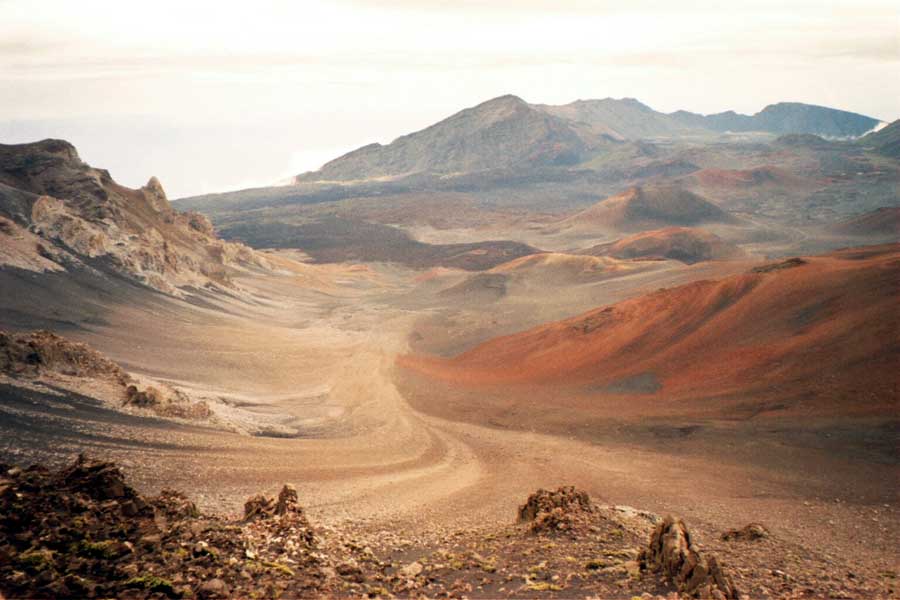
x: 339, y: 74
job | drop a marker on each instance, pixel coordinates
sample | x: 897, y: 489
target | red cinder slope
x: 819, y: 333
x: 643, y: 208
x: 747, y: 178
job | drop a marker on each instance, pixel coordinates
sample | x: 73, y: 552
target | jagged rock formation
x: 556, y: 511
x: 83, y: 532
x: 671, y: 552
x: 60, y: 213
x: 265, y: 507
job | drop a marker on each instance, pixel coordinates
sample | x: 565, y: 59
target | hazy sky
x: 211, y: 96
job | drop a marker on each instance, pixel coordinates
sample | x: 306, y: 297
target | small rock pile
x: 671, y: 552
x: 564, y: 510
x: 748, y: 533
x: 83, y: 532
x: 264, y: 507
x: 166, y: 403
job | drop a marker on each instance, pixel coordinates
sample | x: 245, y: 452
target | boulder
x: 748, y: 533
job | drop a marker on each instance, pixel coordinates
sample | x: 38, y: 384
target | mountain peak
x: 500, y: 106
x: 508, y: 99
x: 500, y: 133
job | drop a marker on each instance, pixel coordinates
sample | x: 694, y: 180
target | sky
x: 216, y: 96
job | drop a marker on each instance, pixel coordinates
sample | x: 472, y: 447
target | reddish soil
x: 641, y: 208
x: 745, y: 178
x: 813, y: 338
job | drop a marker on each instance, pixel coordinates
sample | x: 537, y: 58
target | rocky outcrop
x: 265, y: 507
x: 82, y: 217
x: 43, y: 356
x: 83, y: 532
x: 565, y: 509
x: 42, y: 352
x: 166, y: 402
x: 790, y: 263
x: 672, y: 553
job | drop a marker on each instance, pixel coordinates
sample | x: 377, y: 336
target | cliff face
x: 60, y: 213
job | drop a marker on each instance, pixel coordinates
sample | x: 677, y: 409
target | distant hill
x: 338, y: 239
x: 642, y: 208
x: 884, y: 141
x: 783, y: 118
x: 686, y: 244
x: 757, y: 177
x: 882, y: 222
x: 500, y: 133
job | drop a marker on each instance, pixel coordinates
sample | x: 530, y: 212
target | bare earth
x: 305, y: 378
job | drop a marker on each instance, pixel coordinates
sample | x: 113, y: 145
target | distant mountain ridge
x: 500, y: 133
x: 509, y: 133
x: 885, y: 141
x: 783, y: 118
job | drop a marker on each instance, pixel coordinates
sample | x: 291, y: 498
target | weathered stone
x: 258, y: 506
x: 412, y: 570
x: 287, y: 500
x: 214, y: 588
x: 558, y: 510
x: 671, y: 552
x: 750, y: 532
